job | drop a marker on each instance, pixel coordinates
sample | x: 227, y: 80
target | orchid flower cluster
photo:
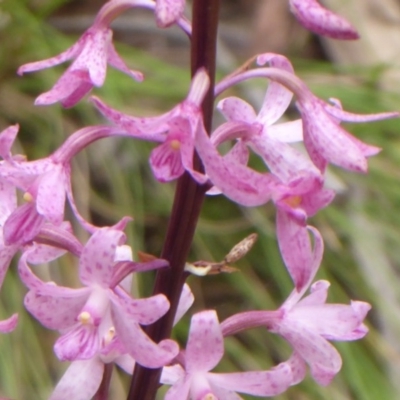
x: 101, y: 323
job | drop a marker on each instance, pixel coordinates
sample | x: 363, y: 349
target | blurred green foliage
x: 360, y: 229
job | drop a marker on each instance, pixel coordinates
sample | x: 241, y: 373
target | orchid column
x: 188, y: 197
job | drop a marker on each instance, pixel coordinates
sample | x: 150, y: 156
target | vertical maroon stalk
x: 187, y: 203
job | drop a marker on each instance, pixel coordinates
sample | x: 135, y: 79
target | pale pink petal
x: 288, y: 132
x: 143, y: 311
x: 69, y: 89
x: 342, y: 115
x: 58, y: 311
x: 231, y: 130
x: 9, y: 324
x: 284, y: 161
x: 97, y: 260
x: 149, y: 128
x: 236, y: 109
x: 8, y: 200
x: 80, y: 381
x: 298, y: 368
x: 332, y: 321
x: 172, y: 374
x: 72, y: 52
x: 324, y: 360
x: 185, y: 302
x: 325, y: 140
x: 43, y: 253
x: 50, y: 199
x: 166, y: 162
x: 93, y: 57
x: 126, y: 362
x: 168, y: 11
x: 22, y: 225
x: 205, y: 346
x: 117, y: 62
x: 7, y: 137
x: 295, y: 246
x: 277, y: 97
x: 80, y: 343
x: 6, y: 255
x: 179, y: 391
x: 322, y: 21
x: 256, y: 383
x: 139, y: 345
x: 236, y: 181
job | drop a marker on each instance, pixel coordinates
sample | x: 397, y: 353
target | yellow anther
x: 109, y: 336
x: 27, y: 197
x: 209, y: 396
x: 84, y: 318
x: 175, y: 144
x: 293, y: 201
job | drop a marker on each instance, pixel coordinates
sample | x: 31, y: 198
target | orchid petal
x: 171, y: 374
x: 50, y: 199
x: 69, y: 89
x: 93, y: 56
x: 295, y: 247
x: 185, y: 302
x: 166, y: 162
x: 168, y: 11
x: 205, y: 346
x: 288, y: 132
x: 256, y: 383
x: 58, y: 311
x: 325, y: 139
x: 80, y: 343
x: 179, y: 391
x: 117, y: 62
x: 277, y: 97
x: 324, y: 360
x: 22, y: 225
x: 142, y: 311
x: 71, y: 52
x: 7, y: 137
x: 322, y: 21
x: 97, y: 260
x: 239, y: 183
x: 236, y: 109
x: 9, y: 324
x: 139, y: 345
x: 80, y: 381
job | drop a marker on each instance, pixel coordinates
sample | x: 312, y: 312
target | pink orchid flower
x: 175, y: 129
x: 83, y: 315
x: 91, y: 54
x: 325, y: 140
x: 322, y: 21
x: 205, y: 347
x: 83, y: 377
x: 307, y: 323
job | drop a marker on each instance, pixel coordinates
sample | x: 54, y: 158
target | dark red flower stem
x: 102, y: 392
x: 187, y: 202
